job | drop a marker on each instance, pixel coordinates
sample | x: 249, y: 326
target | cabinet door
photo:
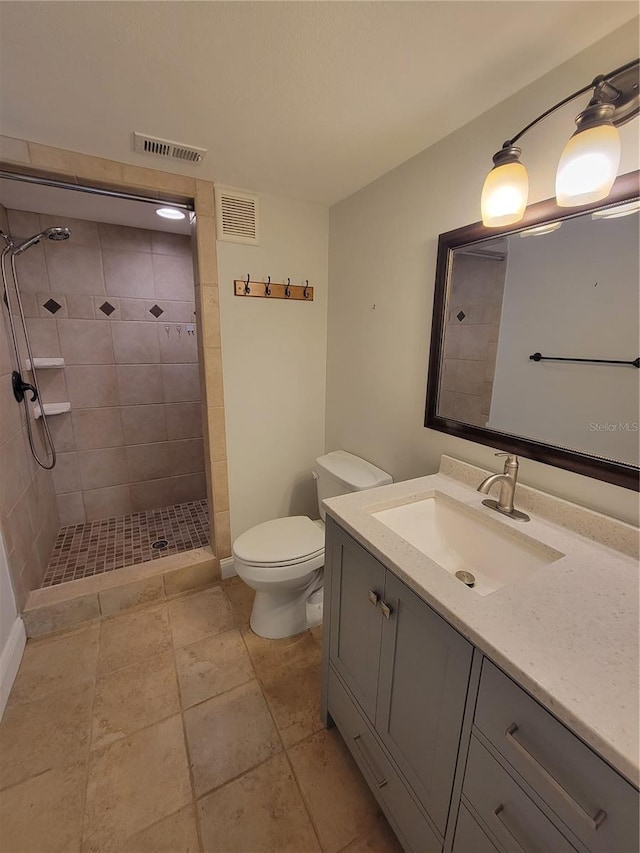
x: 357, y: 583
x: 424, y: 676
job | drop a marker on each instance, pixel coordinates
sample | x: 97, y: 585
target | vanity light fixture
x: 170, y: 213
x: 589, y: 163
x: 547, y: 228
x: 618, y: 212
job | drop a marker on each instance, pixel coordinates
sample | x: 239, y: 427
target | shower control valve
x: 20, y: 387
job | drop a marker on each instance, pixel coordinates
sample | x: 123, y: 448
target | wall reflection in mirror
x: 566, y: 289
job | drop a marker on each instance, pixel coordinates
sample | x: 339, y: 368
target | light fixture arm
x: 599, y: 95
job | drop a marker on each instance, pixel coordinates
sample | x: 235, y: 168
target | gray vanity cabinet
x: 405, y: 668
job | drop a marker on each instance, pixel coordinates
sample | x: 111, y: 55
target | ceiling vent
x: 237, y: 216
x: 165, y: 148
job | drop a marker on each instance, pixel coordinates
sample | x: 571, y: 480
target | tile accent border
x: 32, y: 158
x: 69, y: 605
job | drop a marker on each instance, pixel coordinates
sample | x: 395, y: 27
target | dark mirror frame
x: 626, y: 188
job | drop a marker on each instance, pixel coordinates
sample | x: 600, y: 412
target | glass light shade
x: 505, y: 194
x: 588, y: 166
x: 170, y: 213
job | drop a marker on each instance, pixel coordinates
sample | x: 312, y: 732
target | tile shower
x: 117, y: 304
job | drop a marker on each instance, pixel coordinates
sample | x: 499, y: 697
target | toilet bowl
x: 283, y: 559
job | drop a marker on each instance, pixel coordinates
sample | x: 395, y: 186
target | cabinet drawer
x: 470, y: 837
x: 508, y: 812
x: 594, y: 801
x: 413, y: 829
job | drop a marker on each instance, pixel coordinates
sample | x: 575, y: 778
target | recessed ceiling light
x: 170, y: 213
x: 547, y: 228
x: 617, y: 212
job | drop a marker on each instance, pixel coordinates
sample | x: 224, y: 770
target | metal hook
x: 305, y: 292
x: 287, y: 290
x: 247, y: 289
x: 267, y: 287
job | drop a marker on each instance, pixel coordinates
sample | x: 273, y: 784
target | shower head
x: 55, y: 234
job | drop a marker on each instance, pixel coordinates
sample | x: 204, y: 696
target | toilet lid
x: 283, y: 540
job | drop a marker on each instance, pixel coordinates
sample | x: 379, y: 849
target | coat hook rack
x: 271, y: 290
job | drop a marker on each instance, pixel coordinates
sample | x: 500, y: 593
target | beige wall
x: 383, y: 243
x: 274, y: 364
x: 133, y: 440
x: 28, y: 512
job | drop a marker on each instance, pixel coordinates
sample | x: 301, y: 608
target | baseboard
x: 227, y: 568
x: 10, y: 660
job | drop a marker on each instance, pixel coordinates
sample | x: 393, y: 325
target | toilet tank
x: 339, y: 472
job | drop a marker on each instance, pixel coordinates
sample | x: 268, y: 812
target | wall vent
x: 165, y: 148
x: 237, y: 216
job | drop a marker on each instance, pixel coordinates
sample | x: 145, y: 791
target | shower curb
x: 69, y: 605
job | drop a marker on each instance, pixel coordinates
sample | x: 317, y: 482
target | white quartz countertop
x: 568, y: 633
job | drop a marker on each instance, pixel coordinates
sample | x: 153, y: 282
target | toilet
x: 283, y: 559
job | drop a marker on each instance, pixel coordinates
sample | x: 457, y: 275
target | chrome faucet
x: 507, y: 480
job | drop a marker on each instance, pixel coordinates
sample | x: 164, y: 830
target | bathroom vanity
x: 502, y: 718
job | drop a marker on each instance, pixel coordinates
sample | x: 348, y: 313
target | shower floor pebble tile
x: 203, y: 739
x: 83, y: 550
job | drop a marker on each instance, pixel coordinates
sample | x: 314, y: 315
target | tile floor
x: 82, y: 550
x: 174, y: 729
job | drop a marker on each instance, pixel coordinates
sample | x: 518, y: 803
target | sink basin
x: 462, y: 539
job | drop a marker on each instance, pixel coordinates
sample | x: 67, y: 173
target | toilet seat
x: 291, y: 541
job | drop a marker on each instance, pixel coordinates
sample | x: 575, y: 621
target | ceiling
x: 307, y: 99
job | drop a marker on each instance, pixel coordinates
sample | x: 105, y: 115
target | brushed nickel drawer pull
x: 593, y: 822
x: 374, y: 598
x: 364, y: 752
x: 497, y: 813
x: 386, y: 610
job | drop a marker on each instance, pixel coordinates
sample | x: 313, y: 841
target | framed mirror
x: 535, y: 340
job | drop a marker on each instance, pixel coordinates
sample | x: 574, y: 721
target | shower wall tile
x: 107, y: 308
x: 85, y: 342
x: 173, y: 276
x: 66, y: 474
x: 128, y: 273
x: 80, y: 306
x: 135, y: 343
x: 107, y: 503
x: 43, y: 334
x: 61, y: 428
x: 71, y: 509
x: 181, y: 383
x: 105, y: 467
x: 153, y: 494
x: 74, y: 269
x: 144, y: 424
x: 184, y: 420
x: 121, y: 237
x: 187, y: 457
x: 190, y: 487
x: 53, y: 386
x: 23, y: 224
x: 178, y: 347
x: 139, y: 383
x: 164, y: 243
x: 179, y: 312
x: 149, y: 461
x: 92, y: 385
x: 31, y: 303
x: 32, y: 270
x: 97, y: 428
x: 50, y: 305
x: 28, y: 510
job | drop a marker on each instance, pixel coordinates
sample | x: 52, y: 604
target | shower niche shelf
x: 44, y: 363
x: 51, y: 409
